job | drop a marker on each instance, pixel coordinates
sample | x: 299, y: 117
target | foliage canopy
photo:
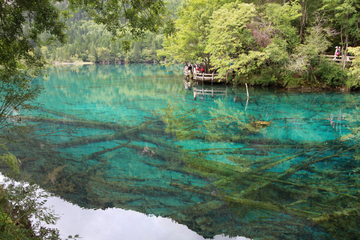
x: 266, y: 43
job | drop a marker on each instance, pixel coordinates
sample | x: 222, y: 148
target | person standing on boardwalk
x: 337, y: 53
x: 190, y: 67
x: 186, y: 67
x: 340, y: 52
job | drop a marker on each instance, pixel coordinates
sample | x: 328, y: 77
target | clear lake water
x: 279, y: 165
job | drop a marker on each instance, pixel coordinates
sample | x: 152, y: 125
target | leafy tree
x: 123, y: 17
x: 192, y: 31
x: 344, y: 14
x: 230, y: 42
x: 283, y: 36
x: 354, y: 71
x: 308, y: 10
x: 21, y: 63
x: 245, y: 39
x: 22, y: 213
x: 306, y: 57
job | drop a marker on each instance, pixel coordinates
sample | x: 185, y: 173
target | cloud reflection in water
x: 113, y: 224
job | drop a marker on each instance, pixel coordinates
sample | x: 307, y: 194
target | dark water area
x: 279, y: 165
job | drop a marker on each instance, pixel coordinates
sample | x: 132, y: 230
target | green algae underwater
x: 280, y: 165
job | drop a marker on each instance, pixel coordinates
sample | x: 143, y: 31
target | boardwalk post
x: 247, y: 90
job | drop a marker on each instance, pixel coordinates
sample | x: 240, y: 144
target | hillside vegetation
x: 91, y: 42
x: 269, y: 43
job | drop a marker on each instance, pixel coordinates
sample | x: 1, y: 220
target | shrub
x: 22, y: 213
x: 330, y: 74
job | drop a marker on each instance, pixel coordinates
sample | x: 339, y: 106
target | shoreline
x: 71, y: 63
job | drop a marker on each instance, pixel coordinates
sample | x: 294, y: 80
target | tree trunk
x: 344, y: 55
x: 302, y: 19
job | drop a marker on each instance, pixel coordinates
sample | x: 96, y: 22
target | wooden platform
x: 204, y: 77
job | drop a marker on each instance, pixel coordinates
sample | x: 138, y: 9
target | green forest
x: 266, y: 43
x: 270, y: 43
x: 88, y: 41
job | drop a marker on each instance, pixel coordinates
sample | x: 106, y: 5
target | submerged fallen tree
x: 288, y: 195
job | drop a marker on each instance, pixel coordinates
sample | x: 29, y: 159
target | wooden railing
x: 205, y: 76
x: 339, y: 58
x: 202, y: 76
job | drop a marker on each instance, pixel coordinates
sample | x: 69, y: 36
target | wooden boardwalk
x: 214, y: 77
x: 331, y: 58
x: 203, y: 77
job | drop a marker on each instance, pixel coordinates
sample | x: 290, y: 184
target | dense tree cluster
x: 93, y: 40
x: 90, y: 42
x: 277, y: 43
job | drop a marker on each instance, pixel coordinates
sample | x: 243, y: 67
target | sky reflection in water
x: 121, y: 224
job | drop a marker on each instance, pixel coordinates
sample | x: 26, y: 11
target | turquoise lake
x: 279, y: 165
